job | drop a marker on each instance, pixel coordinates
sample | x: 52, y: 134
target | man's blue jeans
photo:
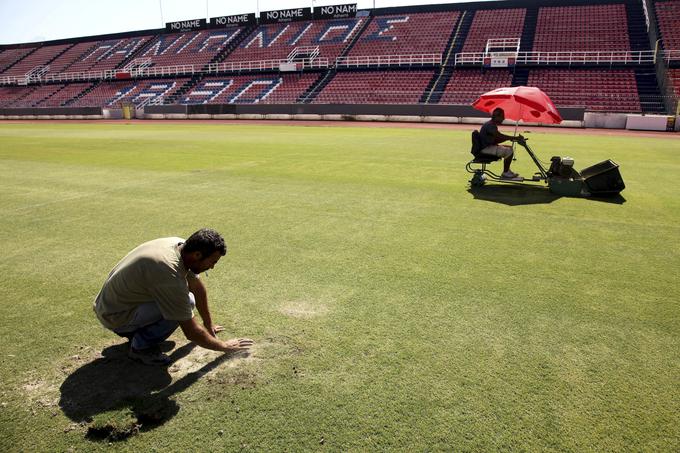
x: 148, y: 327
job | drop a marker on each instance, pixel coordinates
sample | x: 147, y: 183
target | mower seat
x: 476, y: 151
x: 484, y: 159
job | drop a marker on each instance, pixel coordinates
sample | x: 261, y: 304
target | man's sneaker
x: 510, y: 175
x: 150, y: 356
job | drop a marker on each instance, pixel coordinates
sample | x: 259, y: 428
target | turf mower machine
x: 600, y: 180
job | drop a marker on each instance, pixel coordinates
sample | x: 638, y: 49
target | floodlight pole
x: 160, y: 6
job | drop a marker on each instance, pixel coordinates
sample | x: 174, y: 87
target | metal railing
x: 574, y: 57
x: 671, y: 55
x: 265, y: 65
x: 389, y: 60
x: 310, y: 52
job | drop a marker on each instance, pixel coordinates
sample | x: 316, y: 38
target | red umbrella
x: 528, y: 104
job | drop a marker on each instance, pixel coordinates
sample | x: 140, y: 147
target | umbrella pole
x: 514, y: 155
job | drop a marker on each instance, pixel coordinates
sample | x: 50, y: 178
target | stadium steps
x: 220, y: 57
x: 529, y: 32
x: 520, y: 77
x: 356, y: 37
x: 437, y: 85
x: 193, y: 81
x: 83, y: 93
x: 648, y: 91
x: 313, y: 91
x: 637, y: 28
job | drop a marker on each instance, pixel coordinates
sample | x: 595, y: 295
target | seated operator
x: 490, y: 139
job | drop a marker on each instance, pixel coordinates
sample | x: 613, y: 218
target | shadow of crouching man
x: 114, y: 383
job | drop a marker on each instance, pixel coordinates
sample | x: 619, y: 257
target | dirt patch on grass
x: 303, y: 309
x: 113, y: 397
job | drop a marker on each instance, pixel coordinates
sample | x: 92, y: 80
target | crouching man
x: 155, y: 288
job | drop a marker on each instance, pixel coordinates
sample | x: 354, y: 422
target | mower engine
x: 603, y: 179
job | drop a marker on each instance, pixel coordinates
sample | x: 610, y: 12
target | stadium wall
x: 421, y: 113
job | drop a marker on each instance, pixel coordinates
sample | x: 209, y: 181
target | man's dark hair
x: 497, y: 110
x: 206, y: 241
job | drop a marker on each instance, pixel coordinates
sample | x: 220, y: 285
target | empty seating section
x: 60, y: 98
x: 668, y: 16
x: 494, y: 24
x: 582, y: 28
x: 106, y: 55
x: 386, y: 87
x: 251, y: 89
x: 65, y: 60
x: 277, y: 41
x: 674, y: 76
x: 10, y: 56
x: 403, y: 34
x: 11, y: 94
x: 38, y: 93
x: 467, y: 84
x: 194, y: 48
x: 138, y: 92
x: 40, y: 57
x: 596, y: 89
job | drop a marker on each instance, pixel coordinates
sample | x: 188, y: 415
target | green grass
x: 393, y: 309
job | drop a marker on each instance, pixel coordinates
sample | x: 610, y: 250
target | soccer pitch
x: 392, y: 308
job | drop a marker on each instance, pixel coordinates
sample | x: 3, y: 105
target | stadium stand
x: 139, y: 92
x: 409, y: 33
x: 37, y: 94
x: 668, y: 17
x: 582, y: 28
x: 11, y: 94
x: 596, y: 89
x: 40, y: 57
x: 9, y: 57
x: 674, y: 77
x: 494, y: 24
x: 277, y: 41
x: 107, y: 54
x: 264, y: 89
x: 361, y: 59
x: 192, y: 48
x: 467, y: 84
x: 64, y: 94
x: 375, y: 87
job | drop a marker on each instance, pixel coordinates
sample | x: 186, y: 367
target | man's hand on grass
x: 238, y: 344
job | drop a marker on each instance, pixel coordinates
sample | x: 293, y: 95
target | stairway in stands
x: 637, y: 27
x: 229, y: 48
x: 437, y: 85
x: 648, y: 90
x: 313, y: 91
x: 529, y: 32
x: 82, y: 93
x: 195, y: 80
x: 520, y: 77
